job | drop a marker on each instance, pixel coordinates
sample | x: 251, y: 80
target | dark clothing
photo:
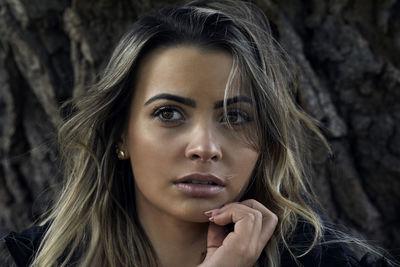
x: 22, y: 247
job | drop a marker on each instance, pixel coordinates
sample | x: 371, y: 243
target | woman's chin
x: 197, y: 217
x: 194, y: 211
x: 193, y: 215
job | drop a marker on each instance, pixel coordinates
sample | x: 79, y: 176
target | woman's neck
x: 176, y: 242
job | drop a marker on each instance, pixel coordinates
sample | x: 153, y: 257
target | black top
x: 22, y: 247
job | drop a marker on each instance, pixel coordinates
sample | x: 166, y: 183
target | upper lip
x: 202, y: 177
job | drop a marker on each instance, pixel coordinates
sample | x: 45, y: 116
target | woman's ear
x: 122, y: 148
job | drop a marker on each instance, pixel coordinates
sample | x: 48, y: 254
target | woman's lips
x: 200, y: 185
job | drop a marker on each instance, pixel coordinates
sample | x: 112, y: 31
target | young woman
x: 189, y: 151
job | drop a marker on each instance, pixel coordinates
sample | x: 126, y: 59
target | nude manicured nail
x: 208, y: 213
x: 211, y: 211
x: 211, y: 219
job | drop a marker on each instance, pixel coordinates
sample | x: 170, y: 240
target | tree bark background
x: 347, y: 50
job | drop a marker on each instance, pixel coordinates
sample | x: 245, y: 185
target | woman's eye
x: 235, y: 117
x: 168, y: 114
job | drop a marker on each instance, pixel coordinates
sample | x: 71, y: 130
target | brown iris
x: 167, y: 114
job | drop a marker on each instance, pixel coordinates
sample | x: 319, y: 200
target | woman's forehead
x: 187, y: 71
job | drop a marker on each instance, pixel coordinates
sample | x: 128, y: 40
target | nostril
x: 204, y: 158
x: 195, y: 156
x: 203, y: 153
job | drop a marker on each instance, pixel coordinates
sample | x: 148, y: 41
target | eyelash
x: 157, y: 111
x: 236, y: 112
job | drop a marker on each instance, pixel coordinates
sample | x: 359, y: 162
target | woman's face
x: 184, y: 158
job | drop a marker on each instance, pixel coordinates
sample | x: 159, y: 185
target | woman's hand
x: 254, y: 225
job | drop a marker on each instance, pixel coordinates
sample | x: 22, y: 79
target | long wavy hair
x: 94, y: 223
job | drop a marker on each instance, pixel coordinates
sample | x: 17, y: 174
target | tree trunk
x: 348, y: 52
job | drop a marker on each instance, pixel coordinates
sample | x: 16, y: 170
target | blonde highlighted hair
x: 93, y: 222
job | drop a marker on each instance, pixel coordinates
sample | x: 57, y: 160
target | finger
x: 268, y: 216
x: 269, y: 221
x: 256, y: 230
x: 246, y: 219
x: 254, y: 204
x: 215, y: 237
x: 244, y: 240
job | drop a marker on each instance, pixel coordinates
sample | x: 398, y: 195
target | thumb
x: 215, y: 236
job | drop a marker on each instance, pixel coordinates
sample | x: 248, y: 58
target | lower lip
x: 199, y: 190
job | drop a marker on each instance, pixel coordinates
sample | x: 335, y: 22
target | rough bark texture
x: 347, y: 50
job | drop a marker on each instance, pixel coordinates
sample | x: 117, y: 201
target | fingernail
x: 211, y: 211
x: 211, y: 219
x: 208, y: 213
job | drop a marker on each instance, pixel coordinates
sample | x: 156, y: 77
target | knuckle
x: 251, y: 216
x: 273, y: 219
x: 258, y: 215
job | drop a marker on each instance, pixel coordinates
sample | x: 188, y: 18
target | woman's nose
x: 203, y: 145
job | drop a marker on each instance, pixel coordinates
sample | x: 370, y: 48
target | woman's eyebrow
x: 233, y: 100
x: 191, y: 103
x: 186, y: 101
